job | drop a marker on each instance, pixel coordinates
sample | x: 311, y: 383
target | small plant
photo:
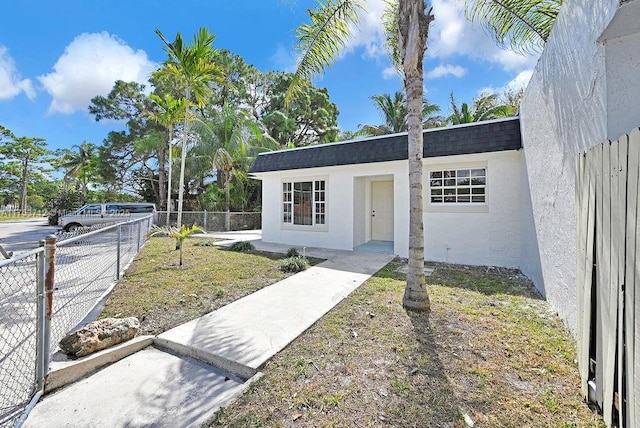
x: 294, y: 264
x: 179, y: 234
x: 242, y: 246
x: 292, y: 253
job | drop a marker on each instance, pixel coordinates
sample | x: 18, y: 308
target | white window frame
x: 456, y: 206
x: 319, y: 203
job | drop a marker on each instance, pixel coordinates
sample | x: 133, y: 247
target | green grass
x: 162, y: 296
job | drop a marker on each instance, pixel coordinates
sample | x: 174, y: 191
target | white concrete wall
x: 340, y: 182
x: 490, y: 237
x: 563, y: 112
x: 622, y: 58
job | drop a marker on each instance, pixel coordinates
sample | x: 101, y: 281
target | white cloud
x: 389, y: 73
x: 11, y: 83
x: 520, y: 81
x: 369, y: 33
x: 514, y: 85
x: 445, y: 70
x: 284, y: 59
x: 451, y: 34
x: 89, y: 66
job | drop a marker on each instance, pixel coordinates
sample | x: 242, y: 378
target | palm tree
x: 193, y: 69
x: 82, y: 165
x: 407, y: 22
x: 524, y: 25
x: 394, y: 111
x: 179, y: 234
x: 485, y: 107
x: 169, y: 111
x: 230, y: 137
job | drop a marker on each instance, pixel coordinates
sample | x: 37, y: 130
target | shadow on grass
x: 488, y: 280
x: 432, y: 402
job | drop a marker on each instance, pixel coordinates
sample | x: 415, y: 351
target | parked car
x: 103, y: 213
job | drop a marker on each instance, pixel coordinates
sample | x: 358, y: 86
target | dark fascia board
x: 479, y: 137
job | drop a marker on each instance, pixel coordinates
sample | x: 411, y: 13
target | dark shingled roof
x: 480, y: 137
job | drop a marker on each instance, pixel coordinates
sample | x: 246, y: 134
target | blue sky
x: 57, y: 55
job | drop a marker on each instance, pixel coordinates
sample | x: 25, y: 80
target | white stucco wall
x: 563, y: 112
x: 489, y: 237
x: 492, y: 237
x: 621, y: 42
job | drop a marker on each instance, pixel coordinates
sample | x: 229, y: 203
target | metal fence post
x: 118, y: 253
x: 49, y: 282
x: 40, y: 313
x: 139, y: 227
x: 205, y: 221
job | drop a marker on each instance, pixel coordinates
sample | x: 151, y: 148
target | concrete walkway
x: 191, y: 371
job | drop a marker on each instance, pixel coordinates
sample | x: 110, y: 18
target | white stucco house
x: 499, y: 193
x: 355, y: 194
x: 585, y: 89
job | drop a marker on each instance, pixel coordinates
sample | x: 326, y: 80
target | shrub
x: 242, y: 246
x: 292, y: 253
x: 294, y: 264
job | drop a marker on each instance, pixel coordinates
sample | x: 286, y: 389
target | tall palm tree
x: 407, y: 22
x: 169, y: 111
x: 193, y: 69
x: 524, y: 25
x: 394, y: 111
x: 229, y: 138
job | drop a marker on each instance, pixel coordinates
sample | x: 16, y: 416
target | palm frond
x: 390, y: 24
x: 523, y: 25
x: 320, y: 40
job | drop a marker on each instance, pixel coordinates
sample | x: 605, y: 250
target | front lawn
x: 162, y: 295
x: 490, y: 353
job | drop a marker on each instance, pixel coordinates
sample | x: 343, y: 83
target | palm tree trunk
x: 169, y: 179
x: 162, y: 178
x: 227, y: 199
x: 183, y: 159
x: 413, y: 25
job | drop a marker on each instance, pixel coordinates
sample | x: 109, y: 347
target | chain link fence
x: 46, y: 293
x: 214, y: 221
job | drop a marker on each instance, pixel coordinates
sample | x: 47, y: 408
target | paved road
x: 23, y: 235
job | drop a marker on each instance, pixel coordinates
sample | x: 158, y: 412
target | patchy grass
x: 162, y: 296
x: 490, y: 351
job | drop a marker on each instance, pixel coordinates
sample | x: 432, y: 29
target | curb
x: 72, y: 371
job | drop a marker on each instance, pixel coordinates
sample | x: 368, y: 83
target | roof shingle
x: 480, y: 137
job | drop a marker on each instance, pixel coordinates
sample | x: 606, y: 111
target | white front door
x: 382, y: 210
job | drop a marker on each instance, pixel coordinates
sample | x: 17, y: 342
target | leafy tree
x: 523, y: 25
x: 407, y: 23
x: 310, y: 118
x: 394, y: 112
x: 119, y: 155
x: 22, y: 156
x: 193, y: 68
x: 486, y: 106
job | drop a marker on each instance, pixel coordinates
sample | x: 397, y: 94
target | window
x: 458, y: 186
x: 304, y: 202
